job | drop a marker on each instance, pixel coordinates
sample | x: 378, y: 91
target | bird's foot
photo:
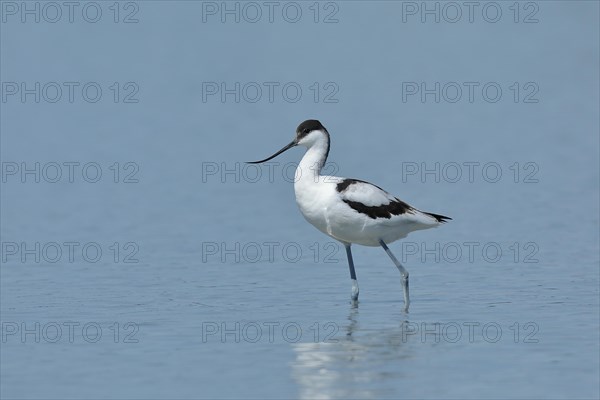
x: 354, y: 295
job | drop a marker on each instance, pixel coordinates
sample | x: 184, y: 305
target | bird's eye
x: 305, y: 131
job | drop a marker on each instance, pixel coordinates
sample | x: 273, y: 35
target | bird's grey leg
x: 354, y: 295
x: 403, y: 272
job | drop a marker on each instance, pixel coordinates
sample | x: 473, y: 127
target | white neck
x: 313, y: 161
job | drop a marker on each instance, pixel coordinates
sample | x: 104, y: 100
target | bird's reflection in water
x: 355, y: 363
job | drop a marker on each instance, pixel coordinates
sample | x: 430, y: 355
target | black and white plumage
x: 351, y: 210
x: 360, y: 196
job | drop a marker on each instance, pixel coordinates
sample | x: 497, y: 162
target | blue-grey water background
x: 220, y: 289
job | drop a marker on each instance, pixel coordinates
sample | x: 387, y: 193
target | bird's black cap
x: 308, y: 126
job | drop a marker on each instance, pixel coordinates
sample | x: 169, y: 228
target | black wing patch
x: 394, y: 207
x: 397, y: 207
x: 343, y: 185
